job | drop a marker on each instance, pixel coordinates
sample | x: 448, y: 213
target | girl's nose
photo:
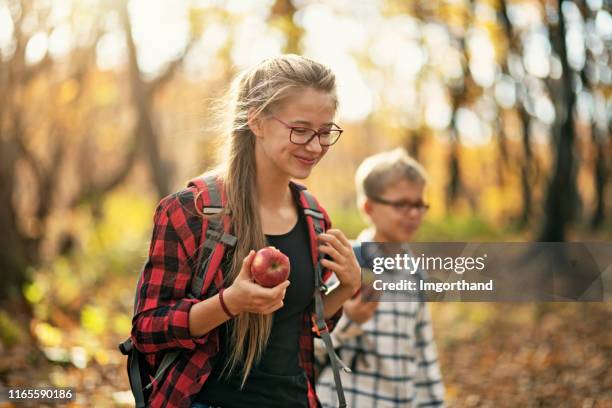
x: 314, y: 145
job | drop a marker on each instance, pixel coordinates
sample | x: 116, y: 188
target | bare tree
x: 527, y: 162
x: 561, y: 192
x: 599, y: 133
x: 25, y: 229
x: 142, y: 91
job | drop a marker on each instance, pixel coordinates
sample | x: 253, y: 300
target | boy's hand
x: 359, y: 311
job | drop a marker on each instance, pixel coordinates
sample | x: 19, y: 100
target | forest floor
x: 492, y: 355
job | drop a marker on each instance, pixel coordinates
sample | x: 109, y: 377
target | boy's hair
x: 382, y: 170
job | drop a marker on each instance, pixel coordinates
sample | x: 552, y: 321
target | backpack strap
x: 317, y: 224
x: 127, y: 349
x: 357, y: 251
x: 215, y: 234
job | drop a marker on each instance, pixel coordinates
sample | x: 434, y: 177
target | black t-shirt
x: 276, y: 380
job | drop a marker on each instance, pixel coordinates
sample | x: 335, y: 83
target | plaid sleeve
x: 161, y: 311
x: 428, y: 379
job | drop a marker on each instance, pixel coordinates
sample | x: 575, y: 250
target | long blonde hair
x: 258, y: 90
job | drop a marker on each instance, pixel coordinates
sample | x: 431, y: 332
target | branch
x: 159, y: 82
x: 123, y: 171
x: 50, y: 179
x: 27, y: 154
x: 170, y: 70
x: 90, y: 190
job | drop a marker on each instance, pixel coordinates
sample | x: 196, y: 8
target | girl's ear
x: 255, y: 123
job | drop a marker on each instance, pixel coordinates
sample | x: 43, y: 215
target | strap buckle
x: 316, y: 328
x: 228, y: 239
x: 212, y: 210
x: 314, y: 213
x: 220, y: 236
x: 126, y: 347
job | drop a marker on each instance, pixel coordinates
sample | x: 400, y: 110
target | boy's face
x: 393, y: 224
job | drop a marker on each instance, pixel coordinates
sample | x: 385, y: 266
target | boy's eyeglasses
x: 300, y: 135
x: 403, y: 205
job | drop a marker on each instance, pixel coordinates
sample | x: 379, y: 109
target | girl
x: 248, y: 345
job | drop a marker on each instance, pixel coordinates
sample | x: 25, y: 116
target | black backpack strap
x: 133, y: 367
x: 135, y: 380
x: 319, y: 325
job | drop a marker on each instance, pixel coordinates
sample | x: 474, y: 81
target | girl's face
x: 394, y: 224
x: 275, y: 152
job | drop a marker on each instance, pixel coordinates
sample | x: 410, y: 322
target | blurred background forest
x: 105, y: 108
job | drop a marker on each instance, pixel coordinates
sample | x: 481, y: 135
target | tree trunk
x: 502, y: 149
x: 413, y: 143
x: 454, y: 172
x: 145, y: 131
x: 598, y: 136
x: 283, y: 13
x: 526, y: 182
x: 13, y: 262
x: 561, y: 193
x: 600, y: 174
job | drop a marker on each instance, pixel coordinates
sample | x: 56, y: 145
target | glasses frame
x: 403, y: 205
x: 315, y: 133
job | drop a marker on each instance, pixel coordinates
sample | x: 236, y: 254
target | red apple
x: 270, y: 267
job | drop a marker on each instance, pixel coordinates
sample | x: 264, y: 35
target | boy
x: 388, y: 345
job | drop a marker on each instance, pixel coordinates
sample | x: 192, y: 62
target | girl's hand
x: 244, y: 295
x: 343, y: 263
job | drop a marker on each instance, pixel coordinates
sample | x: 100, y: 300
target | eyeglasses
x: 403, y: 205
x: 300, y: 135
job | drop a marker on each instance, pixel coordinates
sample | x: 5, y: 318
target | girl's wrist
x: 349, y: 290
x: 230, y: 301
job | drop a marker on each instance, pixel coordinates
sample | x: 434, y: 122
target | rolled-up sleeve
x: 161, y: 310
x: 333, y: 321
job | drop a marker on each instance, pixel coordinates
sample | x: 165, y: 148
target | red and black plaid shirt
x: 161, y: 314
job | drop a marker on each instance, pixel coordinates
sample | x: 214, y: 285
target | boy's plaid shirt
x: 394, y: 358
x: 161, y: 315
